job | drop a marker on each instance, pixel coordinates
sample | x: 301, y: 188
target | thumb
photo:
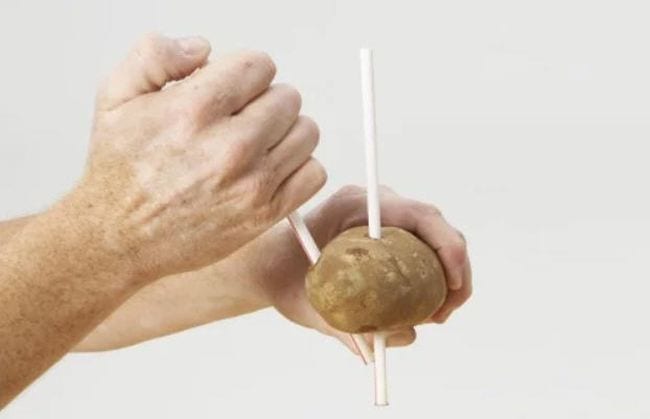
x: 154, y: 61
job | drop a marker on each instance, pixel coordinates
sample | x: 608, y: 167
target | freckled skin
x: 111, y: 264
x: 239, y: 284
x: 362, y: 285
x: 177, y: 179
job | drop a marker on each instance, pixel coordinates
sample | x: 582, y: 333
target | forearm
x: 242, y: 283
x: 248, y: 280
x: 256, y: 276
x: 232, y: 287
x: 180, y: 302
x: 56, y: 285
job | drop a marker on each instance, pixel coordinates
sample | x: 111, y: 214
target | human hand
x: 182, y: 174
x: 346, y: 209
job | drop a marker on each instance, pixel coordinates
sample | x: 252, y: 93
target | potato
x: 362, y: 285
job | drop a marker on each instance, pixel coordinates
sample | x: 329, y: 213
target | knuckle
x: 224, y: 98
x: 234, y: 159
x: 184, y: 114
x: 259, y: 59
x: 351, y: 190
x: 147, y: 40
x: 432, y: 210
x: 148, y: 52
x: 150, y: 45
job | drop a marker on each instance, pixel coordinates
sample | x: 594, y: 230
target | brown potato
x: 361, y: 285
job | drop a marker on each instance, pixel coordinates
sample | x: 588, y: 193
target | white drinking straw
x: 370, y: 128
x: 374, y: 214
x: 313, y: 254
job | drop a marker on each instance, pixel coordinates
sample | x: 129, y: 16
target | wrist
x: 280, y: 262
x: 80, y: 231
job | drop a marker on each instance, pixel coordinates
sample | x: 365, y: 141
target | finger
x: 268, y: 118
x: 226, y: 85
x: 299, y: 187
x: 154, y: 61
x: 448, y: 244
x: 295, y: 149
x: 387, y: 191
x: 456, y: 298
x: 398, y: 338
x: 401, y: 338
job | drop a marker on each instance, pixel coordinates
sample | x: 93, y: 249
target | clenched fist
x: 181, y: 174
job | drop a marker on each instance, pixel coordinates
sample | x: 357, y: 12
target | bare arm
x: 219, y: 155
x: 178, y: 302
x: 49, y: 300
x: 270, y: 271
x: 226, y: 289
x: 245, y: 282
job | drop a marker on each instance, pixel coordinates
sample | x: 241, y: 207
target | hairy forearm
x: 180, y: 302
x: 56, y: 284
x: 239, y: 284
x: 232, y: 287
x: 248, y: 280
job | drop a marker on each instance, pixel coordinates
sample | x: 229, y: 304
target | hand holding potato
x: 346, y: 209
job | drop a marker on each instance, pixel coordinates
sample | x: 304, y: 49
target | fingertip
x: 455, y: 282
x: 442, y: 317
x: 402, y: 338
x: 194, y: 46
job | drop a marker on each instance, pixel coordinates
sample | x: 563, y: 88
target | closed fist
x: 182, y: 174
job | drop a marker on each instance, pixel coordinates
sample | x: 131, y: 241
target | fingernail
x: 193, y: 45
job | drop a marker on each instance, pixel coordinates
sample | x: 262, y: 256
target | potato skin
x: 361, y: 285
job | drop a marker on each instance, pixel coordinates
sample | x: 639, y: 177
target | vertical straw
x: 370, y: 128
x: 374, y: 215
x: 313, y: 253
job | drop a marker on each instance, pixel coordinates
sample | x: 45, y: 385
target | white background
x: 526, y: 122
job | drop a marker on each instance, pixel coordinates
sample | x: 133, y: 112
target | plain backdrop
x: 526, y: 122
